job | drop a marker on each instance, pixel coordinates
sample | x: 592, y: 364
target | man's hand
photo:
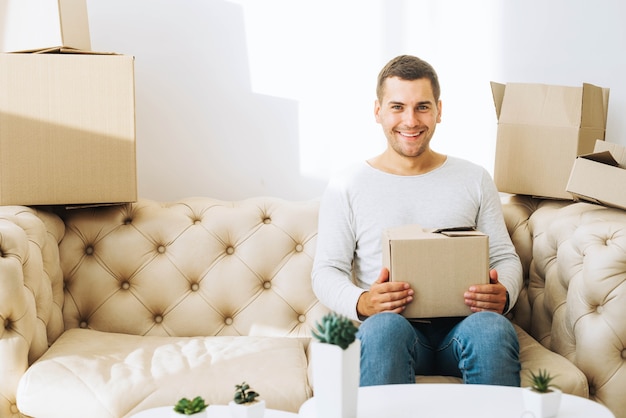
x: 384, y: 296
x: 487, y: 297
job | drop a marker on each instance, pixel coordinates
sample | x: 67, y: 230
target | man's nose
x: 410, y: 118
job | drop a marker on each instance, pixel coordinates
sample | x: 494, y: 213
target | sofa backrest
x: 199, y: 266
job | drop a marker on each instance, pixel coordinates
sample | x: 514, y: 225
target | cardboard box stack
x: 440, y: 265
x: 67, y: 117
x: 541, y: 130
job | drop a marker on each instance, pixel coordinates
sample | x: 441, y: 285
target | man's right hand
x: 384, y: 296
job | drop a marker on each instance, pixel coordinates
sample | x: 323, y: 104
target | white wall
x: 268, y: 97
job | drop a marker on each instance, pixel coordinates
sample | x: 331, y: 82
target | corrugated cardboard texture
x: 42, y: 24
x: 439, y: 268
x: 67, y: 129
x: 541, y: 131
x: 598, y: 179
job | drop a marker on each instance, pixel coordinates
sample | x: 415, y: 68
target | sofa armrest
x: 31, y: 293
x: 577, y: 292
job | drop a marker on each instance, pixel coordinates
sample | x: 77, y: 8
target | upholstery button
x: 230, y: 250
x: 83, y: 324
x: 267, y: 220
x: 89, y: 250
x: 228, y: 321
x: 195, y: 287
x: 608, y: 242
x: 7, y: 324
x: 158, y: 319
x: 301, y: 318
x: 197, y: 221
x: 128, y: 221
x: 125, y: 285
x: 14, y: 409
x: 624, y: 353
x: 299, y: 248
x: 600, y: 309
x: 161, y: 249
x: 267, y: 284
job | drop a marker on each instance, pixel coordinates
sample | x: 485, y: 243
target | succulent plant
x: 244, y: 394
x: 187, y: 407
x: 542, y: 381
x: 335, y: 329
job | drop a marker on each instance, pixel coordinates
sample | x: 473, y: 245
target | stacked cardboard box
x: 67, y: 118
x: 541, y: 130
x: 600, y: 177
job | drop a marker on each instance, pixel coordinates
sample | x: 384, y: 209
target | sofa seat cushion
x: 98, y: 374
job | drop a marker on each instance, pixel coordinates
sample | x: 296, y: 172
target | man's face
x: 408, y: 114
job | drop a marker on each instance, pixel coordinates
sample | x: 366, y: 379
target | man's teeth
x: 411, y: 135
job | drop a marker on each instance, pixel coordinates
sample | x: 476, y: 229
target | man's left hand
x: 487, y: 297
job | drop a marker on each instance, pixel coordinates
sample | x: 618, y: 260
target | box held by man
x: 439, y: 264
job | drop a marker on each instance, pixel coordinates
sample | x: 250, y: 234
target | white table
x: 213, y: 411
x: 454, y: 401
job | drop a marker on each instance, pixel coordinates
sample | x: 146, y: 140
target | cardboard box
x: 440, y: 265
x: 42, y: 24
x: 67, y: 129
x: 600, y: 177
x: 541, y: 131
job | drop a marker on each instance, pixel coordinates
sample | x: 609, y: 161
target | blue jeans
x: 481, y: 348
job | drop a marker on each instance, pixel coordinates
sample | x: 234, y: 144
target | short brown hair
x: 408, y: 67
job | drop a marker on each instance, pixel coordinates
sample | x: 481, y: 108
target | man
x: 409, y: 183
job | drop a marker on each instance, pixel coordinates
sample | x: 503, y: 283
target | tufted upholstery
x: 31, y: 293
x: 578, y: 293
x: 148, y: 302
x: 230, y: 266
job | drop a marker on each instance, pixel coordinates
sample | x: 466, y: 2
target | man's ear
x: 377, y: 110
x: 439, y: 107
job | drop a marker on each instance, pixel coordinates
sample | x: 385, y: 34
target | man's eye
x: 423, y: 108
x: 396, y: 107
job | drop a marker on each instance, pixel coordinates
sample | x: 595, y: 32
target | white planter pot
x: 542, y: 405
x: 336, y: 374
x: 253, y: 410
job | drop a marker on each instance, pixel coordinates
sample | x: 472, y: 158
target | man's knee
x: 385, y: 326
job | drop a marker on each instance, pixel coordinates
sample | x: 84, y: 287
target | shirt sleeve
x: 502, y: 255
x: 336, y: 243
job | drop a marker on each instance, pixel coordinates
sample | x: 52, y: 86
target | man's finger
x: 493, y: 276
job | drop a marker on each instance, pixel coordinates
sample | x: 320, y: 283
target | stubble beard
x: 405, y: 152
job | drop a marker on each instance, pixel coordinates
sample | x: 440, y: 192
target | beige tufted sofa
x: 109, y: 311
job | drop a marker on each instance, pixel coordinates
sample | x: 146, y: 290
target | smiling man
x: 409, y: 183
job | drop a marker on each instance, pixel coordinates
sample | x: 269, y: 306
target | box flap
x: 497, y: 91
x: 617, y: 151
x: 595, y: 106
x: 460, y: 231
x: 61, y: 50
x: 603, y: 157
x: 74, y: 23
x: 34, y: 24
x: 541, y: 105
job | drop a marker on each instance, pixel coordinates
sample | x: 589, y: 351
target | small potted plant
x: 542, y: 397
x: 245, y: 403
x: 195, y: 407
x: 335, y: 358
x: 335, y: 329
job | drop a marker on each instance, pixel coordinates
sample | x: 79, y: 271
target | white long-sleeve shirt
x: 362, y: 202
